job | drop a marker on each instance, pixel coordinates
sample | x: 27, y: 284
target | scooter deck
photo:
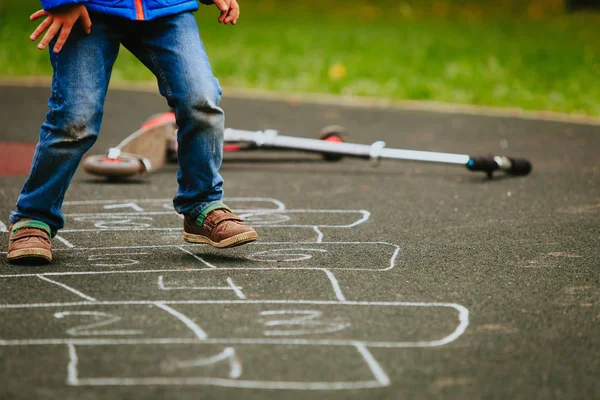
x: 143, y: 151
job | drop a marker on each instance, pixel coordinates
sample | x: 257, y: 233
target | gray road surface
x: 403, y: 281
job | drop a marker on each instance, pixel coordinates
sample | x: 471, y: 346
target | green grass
x: 507, y: 53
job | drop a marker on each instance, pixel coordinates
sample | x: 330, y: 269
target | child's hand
x: 230, y: 11
x: 59, y: 19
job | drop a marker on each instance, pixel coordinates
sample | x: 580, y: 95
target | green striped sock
x: 207, y: 210
x: 31, y: 224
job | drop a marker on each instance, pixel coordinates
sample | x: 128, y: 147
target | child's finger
x: 38, y: 14
x: 230, y: 17
x: 222, y: 16
x: 52, y: 31
x: 233, y: 14
x: 222, y: 5
x: 65, y: 31
x: 235, y: 20
x: 86, y: 21
x: 41, y: 28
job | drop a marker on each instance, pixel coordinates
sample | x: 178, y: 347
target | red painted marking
x: 15, y: 158
x: 231, y: 147
x: 111, y: 160
x: 165, y: 118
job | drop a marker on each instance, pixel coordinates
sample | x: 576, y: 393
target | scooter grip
x: 519, y: 166
x: 485, y: 164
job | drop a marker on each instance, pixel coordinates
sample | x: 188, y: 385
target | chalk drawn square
x: 87, y: 321
x: 394, y: 324
x: 253, y: 366
x: 370, y: 256
x: 206, y: 284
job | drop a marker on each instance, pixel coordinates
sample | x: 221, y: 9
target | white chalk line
x: 276, y: 202
x: 151, y: 302
x: 163, y: 246
x: 65, y: 241
x: 209, y: 265
x: 220, y: 341
x: 122, y: 214
x: 72, y: 378
x: 114, y: 201
x: 161, y: 285
x: 253, y: 212
x: 230, y: 383
x: 160, y: 213
x: 133, y: 206
x: 391, y: 265
x: 69, y: 288
x: 179, y: 229
x: 335, y: 285
x: 199, y: 332
x: 123, y: 229
x: 159, y: 246
x: 381, y: 378
x: 463, y: 317
x: 230, y: 286
x: 392, y: 260
x: 298, y: 257
x: 374, y: 366
x: 170, y: 270
x: 236, y: 289
x: 171, y: 246
x: 319, y: 234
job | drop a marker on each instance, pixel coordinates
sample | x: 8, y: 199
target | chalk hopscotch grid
x: 381, y: 378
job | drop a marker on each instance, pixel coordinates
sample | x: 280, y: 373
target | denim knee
x: 201, y: 105
x: 65, y: 128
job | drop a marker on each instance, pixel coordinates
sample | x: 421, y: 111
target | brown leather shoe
x: 221, y: 228
x: 29, y: 243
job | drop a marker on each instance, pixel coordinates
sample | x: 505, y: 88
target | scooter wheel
x: 122, y: 167
x: 332, y: 134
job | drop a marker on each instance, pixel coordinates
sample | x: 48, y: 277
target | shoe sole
x: 30, y: 255
x: 233, y: 241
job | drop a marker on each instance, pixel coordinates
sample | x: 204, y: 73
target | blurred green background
x: 530, y: 54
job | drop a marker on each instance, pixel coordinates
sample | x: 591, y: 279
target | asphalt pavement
x: 405, y: 280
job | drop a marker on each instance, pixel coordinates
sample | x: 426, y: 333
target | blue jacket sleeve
x: 48, y: 4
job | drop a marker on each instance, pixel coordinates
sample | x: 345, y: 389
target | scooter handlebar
x: 519, y: 166
x: 509, y: 165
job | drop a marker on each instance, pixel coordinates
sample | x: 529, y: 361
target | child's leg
x: 79, y: 83
x: 171, y: 48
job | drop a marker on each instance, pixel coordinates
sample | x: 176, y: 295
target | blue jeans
x: 172, y: 49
